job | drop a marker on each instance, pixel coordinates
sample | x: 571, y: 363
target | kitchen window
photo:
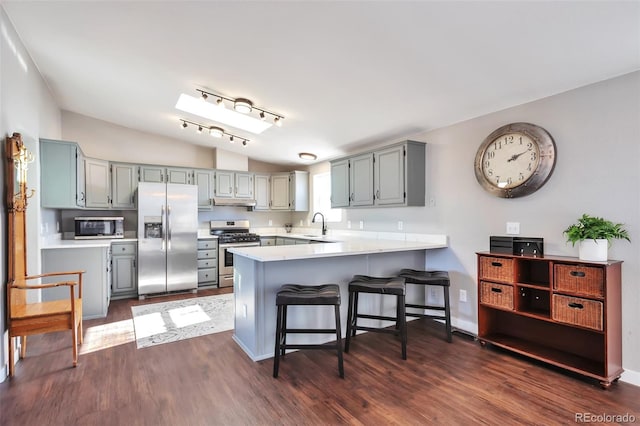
x: 322, y: 198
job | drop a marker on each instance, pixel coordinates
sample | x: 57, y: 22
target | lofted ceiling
x: 344, y: 74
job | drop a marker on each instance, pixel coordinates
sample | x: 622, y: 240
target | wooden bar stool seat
x: 393, y: 286
x: 425, y: 278
x: 294, y: 294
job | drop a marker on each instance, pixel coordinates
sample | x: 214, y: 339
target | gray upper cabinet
x: 299, y: 191
x: 280, y: 191
x: 205, y: 180
x: 393, y: 176
x: 61, y: 174
x: 340, y: 184
x: 179, y: 175
x: 124, y: 182
x: 234, y: 184
x: 152, y: 174
x: 262, y: 191
x: 97, y: 183
x: 361, y: 180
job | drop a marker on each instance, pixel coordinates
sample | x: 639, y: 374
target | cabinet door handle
x: 496, y: 290
x: 577, y: 274
x: 576, y: 305
x: 496, y: 264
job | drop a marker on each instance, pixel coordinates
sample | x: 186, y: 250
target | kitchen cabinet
x: 97, y: 183
x: 393, y: 176
x: 280, y: 191
x: 96, y: 281
x: 559, y: 310
x: 267, y: 241
x: 207, y: 262
x: 159, y: 174
x: 61, y: 174
x: 233, y: 184
x: 262, y: 191
x: 361, y: 180
x: 205, y: 180
x: 124, y: 182
x: 290, y: 191
x: 124, y: 281
x: 340, y: 195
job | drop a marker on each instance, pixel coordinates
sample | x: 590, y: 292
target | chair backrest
x: 16, y: 206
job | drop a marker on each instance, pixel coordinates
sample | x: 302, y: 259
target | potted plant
x: 594, y: 235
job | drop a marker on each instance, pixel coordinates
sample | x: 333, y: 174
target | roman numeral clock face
x: 515, y: 160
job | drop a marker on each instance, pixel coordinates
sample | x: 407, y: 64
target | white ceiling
x: 344, y: 74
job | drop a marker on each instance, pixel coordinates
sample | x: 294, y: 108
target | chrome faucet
x: 324, y: 227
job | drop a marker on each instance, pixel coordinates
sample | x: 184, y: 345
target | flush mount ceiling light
x: 307, y: 156
x: 243, y: 105
x: 214, y: 131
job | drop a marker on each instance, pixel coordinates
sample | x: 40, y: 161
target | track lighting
x: 214, y: 131
x: 241, y: 105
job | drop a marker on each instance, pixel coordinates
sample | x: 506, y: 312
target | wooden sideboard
x: 560, y: 310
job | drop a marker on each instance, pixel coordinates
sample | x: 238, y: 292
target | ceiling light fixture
x: 214, y: 131
x: 307, y: 156
x: 243, y: 105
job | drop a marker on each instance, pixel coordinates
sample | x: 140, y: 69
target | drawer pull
x: 498, y: 264
x: 576, y: 305
x: 577, y: 274
x: 496, y: 290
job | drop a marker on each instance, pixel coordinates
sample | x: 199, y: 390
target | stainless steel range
x: 230, y: 233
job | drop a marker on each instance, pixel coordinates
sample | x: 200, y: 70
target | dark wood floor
x: 210, y: 381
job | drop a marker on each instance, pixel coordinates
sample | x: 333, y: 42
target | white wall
x: 26, y: 107
x: 597, y: 133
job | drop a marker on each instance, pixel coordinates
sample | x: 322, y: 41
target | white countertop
x: 53, y: 243
x: 347, y: 247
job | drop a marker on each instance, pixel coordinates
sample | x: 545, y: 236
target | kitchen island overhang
x: 260, y: 271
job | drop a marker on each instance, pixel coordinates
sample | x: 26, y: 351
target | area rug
x: 167, y: 322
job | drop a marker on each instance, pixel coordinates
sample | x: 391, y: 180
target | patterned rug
x: 166, y: 322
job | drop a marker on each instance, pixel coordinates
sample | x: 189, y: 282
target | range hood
x: 239, y: 202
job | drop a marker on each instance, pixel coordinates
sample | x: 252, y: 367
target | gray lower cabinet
x: 124, y: 277
x: 267, y: 241
x: 207, y: 262
x: 95, y: 261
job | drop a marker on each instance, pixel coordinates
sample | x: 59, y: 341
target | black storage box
x: 525, y: 246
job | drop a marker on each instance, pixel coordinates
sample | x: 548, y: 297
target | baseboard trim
x: 631, y: 377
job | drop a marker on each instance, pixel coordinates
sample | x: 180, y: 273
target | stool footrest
x: 309, y: 330
x: 378, y: 317
x: 377, y: 330
x: 433, y: 308
x: 411, y: 314
x: 332, y: 346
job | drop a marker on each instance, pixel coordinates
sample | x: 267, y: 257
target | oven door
x: 225, y: 262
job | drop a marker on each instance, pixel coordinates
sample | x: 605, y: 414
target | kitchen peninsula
x: 260, y: 271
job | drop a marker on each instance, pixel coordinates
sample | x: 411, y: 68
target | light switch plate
x: 513, y: 228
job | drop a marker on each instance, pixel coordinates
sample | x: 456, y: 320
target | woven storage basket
x: 577, y: 279
x: 499, y: 295
x: 577, y: 311
x: 496, y: 268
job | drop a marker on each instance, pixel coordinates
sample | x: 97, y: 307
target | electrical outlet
x: 244, y: 311
x: 400, y: 225
x: 301, y: 222
x: 348, y: 224
x: 362, y: 224
x: 270, y: 222
x: 432, y: 202
x: 513, y: 228
x: 463, y: 295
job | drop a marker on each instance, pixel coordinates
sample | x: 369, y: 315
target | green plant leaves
x: 595, y: 228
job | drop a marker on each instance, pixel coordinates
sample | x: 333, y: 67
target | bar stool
x: 425, y: 278
x: 393, y: 286
x: 293, y: 294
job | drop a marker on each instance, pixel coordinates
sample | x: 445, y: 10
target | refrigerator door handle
x: 162, y: 247
x: 168, y: 227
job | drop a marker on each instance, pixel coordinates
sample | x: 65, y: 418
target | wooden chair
x: 25, y: 318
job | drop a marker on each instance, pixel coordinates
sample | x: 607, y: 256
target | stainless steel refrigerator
x: 167, y: 237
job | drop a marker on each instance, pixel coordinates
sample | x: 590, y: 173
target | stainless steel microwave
x: 88, y: 228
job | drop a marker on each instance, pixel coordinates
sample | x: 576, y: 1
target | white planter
x: 594, y: 250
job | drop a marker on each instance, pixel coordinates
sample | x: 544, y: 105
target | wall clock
x: 515, y: 160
